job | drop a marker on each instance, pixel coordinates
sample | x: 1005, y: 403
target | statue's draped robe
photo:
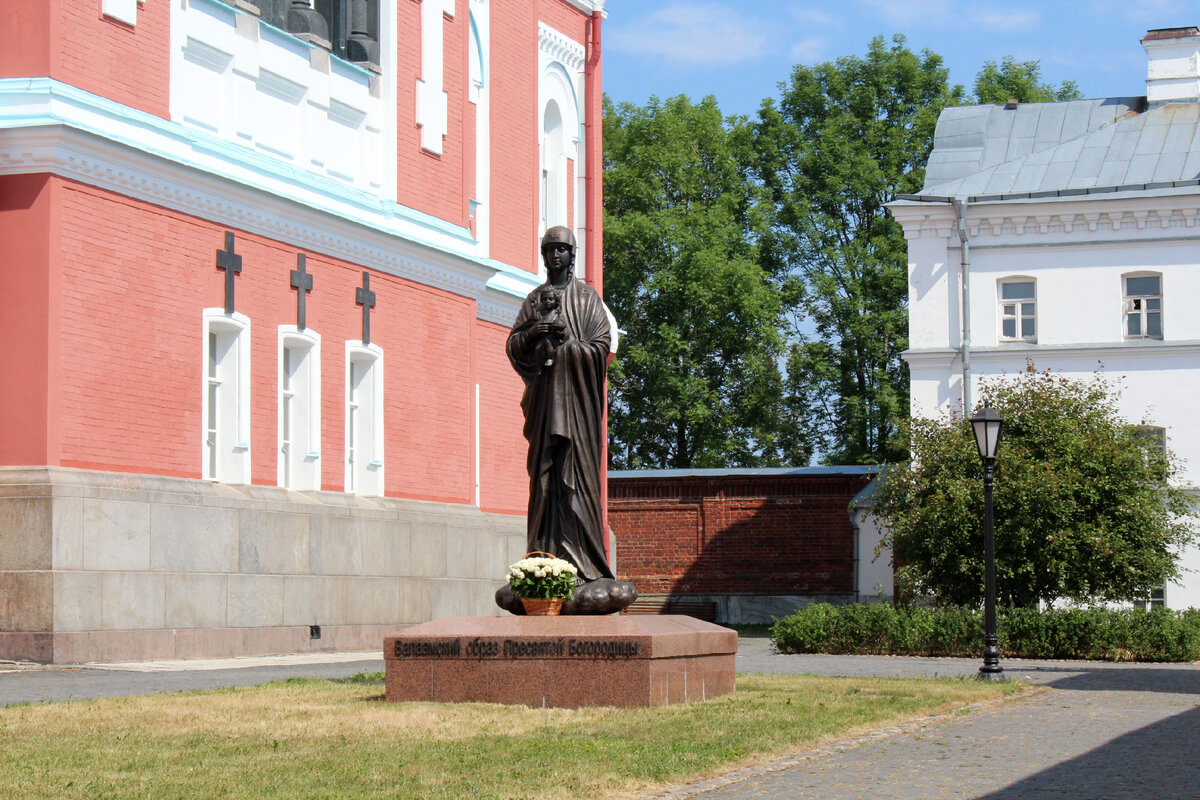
x: 564, y: 414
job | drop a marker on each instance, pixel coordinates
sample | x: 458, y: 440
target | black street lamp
x: 987, y: 424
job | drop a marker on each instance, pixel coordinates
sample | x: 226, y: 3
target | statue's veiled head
x: 558, y: 251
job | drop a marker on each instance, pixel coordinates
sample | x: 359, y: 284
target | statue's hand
x: 540, y: 329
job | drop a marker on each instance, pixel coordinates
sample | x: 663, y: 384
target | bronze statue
x: 560, y: 346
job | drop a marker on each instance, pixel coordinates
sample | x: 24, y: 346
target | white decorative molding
x: 265, y: 90
x: 1006, y: 225
x: 589, y: 6
x: 51, y: 128
x: 498, y: 309
x: 123, y: 10
x: 432, y: 112
x: 560, y: 47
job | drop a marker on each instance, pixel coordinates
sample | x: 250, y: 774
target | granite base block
x: 561, y: 662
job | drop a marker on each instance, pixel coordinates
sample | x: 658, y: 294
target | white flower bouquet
x: 542, y: 578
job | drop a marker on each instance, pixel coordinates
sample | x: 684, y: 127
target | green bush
x: 1073, y: 633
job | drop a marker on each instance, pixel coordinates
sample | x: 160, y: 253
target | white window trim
x: 432, y: 108
x: 123, y: 10
x: 374, y: 473
x: 307, y: 468
x: 1125, y: 301
x: 237, y: 461
x: 1001, y: 302
x: 560, y: 74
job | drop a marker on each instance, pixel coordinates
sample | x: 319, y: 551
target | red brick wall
x: 514, y: 132
x: 26, y: 221
x: 735, y: 535
x: 504, y: 485
x: 119, y: 323
x: 433, y: 182
x: 71, y: 41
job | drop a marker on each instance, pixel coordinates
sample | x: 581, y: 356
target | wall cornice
x: 560, y: 48
x: 1110, y: 218
x: 49, y: 127
x: 1033, y: 352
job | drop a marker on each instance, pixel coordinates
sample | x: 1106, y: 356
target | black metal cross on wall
x: 302, y: 282
x: 365, y: 298
x: 231, y: 262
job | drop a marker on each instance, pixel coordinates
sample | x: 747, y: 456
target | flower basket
x: 542, y: 606
x: 542, y: 584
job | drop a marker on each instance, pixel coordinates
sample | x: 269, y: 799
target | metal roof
x: 1063, y: 146
x: 766, y: 472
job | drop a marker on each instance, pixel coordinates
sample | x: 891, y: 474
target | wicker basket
x: 542, y: 606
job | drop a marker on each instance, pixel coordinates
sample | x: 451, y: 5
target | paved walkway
x: 1101, y: 731
x: 30, y: 683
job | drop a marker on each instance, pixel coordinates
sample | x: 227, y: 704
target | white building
x: 1077, y: 227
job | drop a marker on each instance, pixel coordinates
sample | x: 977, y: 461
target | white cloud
x: 809, y: 50
x: 1007, y: 20
x: 811, y: 17
x: 1000, y: 17
x: 707, y: 33
x: 903, y: 14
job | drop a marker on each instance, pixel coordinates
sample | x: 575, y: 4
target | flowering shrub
x: 542, y: 577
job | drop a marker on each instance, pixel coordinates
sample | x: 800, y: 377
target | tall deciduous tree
x: 1021, y: 81
x: 846, y: 137
x: 696, y: 381
x: 1085, y: 508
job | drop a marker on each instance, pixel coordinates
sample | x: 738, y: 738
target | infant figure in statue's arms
x: 549, y: 309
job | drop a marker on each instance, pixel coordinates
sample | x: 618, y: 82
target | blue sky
x: 739, y: 50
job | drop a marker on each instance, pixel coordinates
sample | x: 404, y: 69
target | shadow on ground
x: 1108, y: 678
x: 1159, y: 760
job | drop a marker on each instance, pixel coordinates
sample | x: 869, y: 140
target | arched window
x: 225, y: 406
x: 554, y: 168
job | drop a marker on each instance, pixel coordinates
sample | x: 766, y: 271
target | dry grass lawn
x: 326, y: 739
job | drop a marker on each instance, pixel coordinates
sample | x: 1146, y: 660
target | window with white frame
x: 1143, y: 306
x: 348, y: 28
x: 226, y: 397
x: 364, y: 419
x: 299, y: 409
x: 1018, y: 310
x: 554, y: 168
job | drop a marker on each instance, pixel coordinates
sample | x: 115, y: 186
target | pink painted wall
x: 129, y: 369
x: 26, y: 222
x: 71, y: 41
x: 504, y: 483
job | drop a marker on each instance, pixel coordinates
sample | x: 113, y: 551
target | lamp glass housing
x: 986, y: 425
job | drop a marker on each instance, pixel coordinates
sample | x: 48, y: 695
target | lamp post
x: 986, y: 425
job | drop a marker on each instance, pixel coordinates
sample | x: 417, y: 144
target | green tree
x: 845, y: 139
x: 696, y: 380
x: 1019, y: 80
x: 1085, y: 509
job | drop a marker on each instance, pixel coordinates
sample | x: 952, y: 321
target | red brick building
x: 260, y: 260
x: 759, y: 543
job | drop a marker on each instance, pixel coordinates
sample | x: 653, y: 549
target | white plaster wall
x: 261, y: 88
x: 874, y: 579
x: 1077, y: 251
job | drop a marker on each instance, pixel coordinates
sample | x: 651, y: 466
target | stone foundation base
x: 563, y: 662
x: 98, y: 566
x: 164, y: 645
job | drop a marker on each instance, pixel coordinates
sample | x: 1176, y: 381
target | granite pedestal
x: 565, y: 662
